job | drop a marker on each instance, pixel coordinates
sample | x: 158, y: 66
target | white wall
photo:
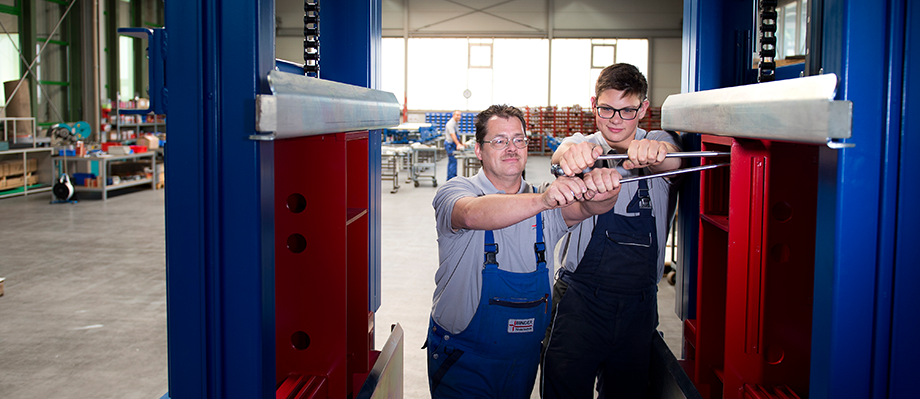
x: 664, y: 76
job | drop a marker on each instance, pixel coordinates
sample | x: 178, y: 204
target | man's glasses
x: 626, y: 114
x: 500, y: 143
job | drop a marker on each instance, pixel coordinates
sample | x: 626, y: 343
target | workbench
x: 103, y: 166
x: 469, y: 164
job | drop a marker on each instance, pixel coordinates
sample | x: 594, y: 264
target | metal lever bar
x: 675, y: 172
x: 556, y: 170
x: 688, y: 154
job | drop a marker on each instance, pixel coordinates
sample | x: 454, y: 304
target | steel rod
x: 675, y: 172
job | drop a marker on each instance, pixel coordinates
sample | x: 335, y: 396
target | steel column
x: 219, y: 267
x: 905, y: 323
x: 849, y: 267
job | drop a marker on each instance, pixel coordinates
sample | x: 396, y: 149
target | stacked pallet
x: 15, y: 174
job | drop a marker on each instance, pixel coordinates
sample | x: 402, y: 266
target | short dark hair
x: 501, y: 111
x: 622, y: 77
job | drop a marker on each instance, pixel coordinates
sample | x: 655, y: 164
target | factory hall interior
x: 458, y: 199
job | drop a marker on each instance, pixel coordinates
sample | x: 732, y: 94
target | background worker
x: 605, y: 299
x: 491, y: 303
x: 452, y: 143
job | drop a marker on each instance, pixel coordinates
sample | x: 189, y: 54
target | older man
x: 492, y: 299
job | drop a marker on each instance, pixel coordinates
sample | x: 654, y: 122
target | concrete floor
x: 84, y: 309
x: 84, y: 315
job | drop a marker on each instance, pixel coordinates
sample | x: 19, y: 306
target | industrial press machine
x: 794, y: 275
x: 272, y: 287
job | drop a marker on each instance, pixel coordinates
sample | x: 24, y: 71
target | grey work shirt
x: 459, y: 275
x: 572, y: 247
x: 451, y: 127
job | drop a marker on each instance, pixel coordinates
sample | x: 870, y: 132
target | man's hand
x: 460, y: 146
x: 564, y: 191
x: 645, y: 153
x: 578, y: 157
x: 602, y: 184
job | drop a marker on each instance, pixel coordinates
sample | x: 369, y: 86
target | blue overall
x: 497, y: 355
x: 605, y: 319
x: 450, y: 147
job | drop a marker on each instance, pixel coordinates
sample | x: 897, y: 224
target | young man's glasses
x: 626, y: 114
x: 500, y: 143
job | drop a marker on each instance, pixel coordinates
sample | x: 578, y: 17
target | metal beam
x: 303, y: 106
x: 799, y: 110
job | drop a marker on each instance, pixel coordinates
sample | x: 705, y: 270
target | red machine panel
x: 323, y: 330
x: 756, y: 271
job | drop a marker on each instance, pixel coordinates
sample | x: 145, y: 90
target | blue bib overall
x: 605, y: 320
x: 497, y: 355
x: 450, y: 147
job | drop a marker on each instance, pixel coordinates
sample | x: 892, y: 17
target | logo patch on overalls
x: 520, y: 325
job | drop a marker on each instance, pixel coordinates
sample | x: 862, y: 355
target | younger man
x: 605, y: 302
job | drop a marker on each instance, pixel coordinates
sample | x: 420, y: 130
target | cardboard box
x: 4, y: 169
x: 13, y: 181
x: 119, y: 150
x: 150, y: 141
x: 31, y: 165
x: 13, y: 168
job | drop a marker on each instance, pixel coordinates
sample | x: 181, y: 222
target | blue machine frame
x: 219, y: 262
x: 864, y: 304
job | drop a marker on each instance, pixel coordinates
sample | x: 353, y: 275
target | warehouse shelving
x: 103, y: 165
x: 25, y: 168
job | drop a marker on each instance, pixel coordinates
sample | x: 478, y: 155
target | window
x: 500, y: 71
x: 573, y: 83
x: 393, y: 67
x: 792, y: 24
x: 602, y: 55
x: 126, y: 90
x: 480, y: 55
x: 520, y: 72
x: 9, y: 60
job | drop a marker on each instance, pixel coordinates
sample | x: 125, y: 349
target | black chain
x: 767, y: 41
x: 311, y: 38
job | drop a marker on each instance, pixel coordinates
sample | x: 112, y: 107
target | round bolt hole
x: 296, y: 243
x: 775, y: 354
x: 296, y: 203
x: 781, y: 211
x: 300, y: 340
x: 780, y: 253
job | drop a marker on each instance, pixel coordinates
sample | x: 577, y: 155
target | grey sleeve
x: 444, y: 201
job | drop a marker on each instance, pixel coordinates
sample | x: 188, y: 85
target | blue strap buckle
x: 491, y: 254
x: 540, y: 249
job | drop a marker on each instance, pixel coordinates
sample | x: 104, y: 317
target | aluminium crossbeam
x: 797, y: 110
x: 305, y: 106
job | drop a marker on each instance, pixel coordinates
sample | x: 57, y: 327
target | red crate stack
x: 652, y: 119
